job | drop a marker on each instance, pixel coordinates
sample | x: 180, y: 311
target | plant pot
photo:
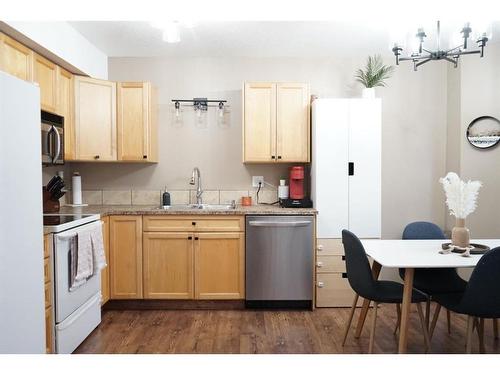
x: 368, y: 93
x: 460, y: 235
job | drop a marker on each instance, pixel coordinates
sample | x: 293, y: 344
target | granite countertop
x: 154, y: 210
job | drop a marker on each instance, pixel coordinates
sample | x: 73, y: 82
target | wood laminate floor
x: 257, y: 331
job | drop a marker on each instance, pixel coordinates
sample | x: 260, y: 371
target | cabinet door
x: 95, y: 119
x: 365, y: 154
x: 105, y: 271
x: 168, y: 265
x: 259, y: 122
x: 15, y: 58
x: 45, y: 74
x: 219, y: 266
x: 292, y: 122
x: 65, y: 108
x: 135, y: 122
x: 49, y: 329
x: 125, y: 257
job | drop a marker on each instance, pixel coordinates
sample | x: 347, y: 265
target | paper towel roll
x: 76, y: 187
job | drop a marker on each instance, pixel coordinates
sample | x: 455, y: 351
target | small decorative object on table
x: 374, y: 75
x: 461, y: 199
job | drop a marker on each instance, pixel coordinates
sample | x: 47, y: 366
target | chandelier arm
x: 450, y: 60
x: 452, y: 49
x: 422, y: 62
x: 426, y: 50
x: 414, y: 58
x: 469, y: 52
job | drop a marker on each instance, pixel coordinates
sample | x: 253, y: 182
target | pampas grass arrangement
x: 461, y: 199
x: 461, y: 196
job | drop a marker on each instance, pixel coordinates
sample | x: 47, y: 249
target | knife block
x: 49, y: 206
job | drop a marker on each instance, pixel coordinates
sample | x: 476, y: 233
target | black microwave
x: 52, y: 139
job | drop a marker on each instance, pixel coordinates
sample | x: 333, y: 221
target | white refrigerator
x: 22, y: 302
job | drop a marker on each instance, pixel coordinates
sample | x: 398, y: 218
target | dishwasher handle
x: 299, y: 223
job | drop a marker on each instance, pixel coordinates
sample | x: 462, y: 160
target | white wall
x: 413, y: 129
x: 64, y: 43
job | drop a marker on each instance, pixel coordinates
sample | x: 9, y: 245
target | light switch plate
x: 256, y: 180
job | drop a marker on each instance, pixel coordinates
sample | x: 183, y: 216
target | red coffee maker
x: 297, y: 182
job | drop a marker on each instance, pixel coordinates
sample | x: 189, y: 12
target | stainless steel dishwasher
x: 279, y: 261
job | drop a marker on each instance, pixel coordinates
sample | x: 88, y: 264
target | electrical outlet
x: 256, y: 180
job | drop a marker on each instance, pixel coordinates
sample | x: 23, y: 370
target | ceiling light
x: 171, y: 33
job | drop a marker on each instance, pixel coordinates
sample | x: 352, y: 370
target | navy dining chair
x: 360, y: 278
x: 432, y: 280
x: 481, y: 298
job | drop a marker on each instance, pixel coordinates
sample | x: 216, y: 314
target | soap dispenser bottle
x: 166, y: 198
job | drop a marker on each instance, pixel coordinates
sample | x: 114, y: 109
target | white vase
x: 368, y: 93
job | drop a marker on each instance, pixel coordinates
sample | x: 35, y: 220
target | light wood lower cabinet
x: 49, y: 319
x: 219, y: 265
x: 168, y: 265
x: 105, y: 271
x: 125, y: 257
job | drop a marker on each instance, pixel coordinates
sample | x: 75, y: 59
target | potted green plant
x: 374, y: 75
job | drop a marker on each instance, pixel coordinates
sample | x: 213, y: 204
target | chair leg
x: 427, y: 313
x: 434, y: 320
x: 427, y: 341
x: 495, y: 328
x: 480, y: 333
x: 398, y: 311
x: 470, y: 328
x: 448, y: 318
x: 348, y: 326
x: 374, y: 323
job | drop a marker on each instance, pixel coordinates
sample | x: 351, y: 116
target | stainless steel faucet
x: 199, y: 192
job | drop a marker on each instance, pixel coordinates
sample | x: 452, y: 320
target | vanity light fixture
x: 452, y: 55
x: 200, y: 107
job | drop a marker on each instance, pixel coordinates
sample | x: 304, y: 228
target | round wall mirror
x: 484, y: 132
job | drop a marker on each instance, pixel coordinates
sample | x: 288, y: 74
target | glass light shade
x: 222, y: 115
x: 177, y: 116
x: 200, y: 118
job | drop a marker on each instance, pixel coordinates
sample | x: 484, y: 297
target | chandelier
x: 423, y: 55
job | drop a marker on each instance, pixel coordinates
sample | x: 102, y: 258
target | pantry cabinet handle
x: 196, y: 238
x: 321, y: 284
x: 344, y: 275
x: 273, y: 157
x: 279, y: 156
x: 193, y: 223
x: 96, y: 157
x: 343, y: 257
x: 190, y: 238
x: 144, y: 156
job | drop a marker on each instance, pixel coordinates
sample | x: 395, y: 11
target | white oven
x: 78, y: 311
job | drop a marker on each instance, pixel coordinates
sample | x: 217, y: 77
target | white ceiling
x: 244, y: 39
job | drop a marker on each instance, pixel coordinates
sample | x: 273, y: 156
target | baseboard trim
x: 162, y: 304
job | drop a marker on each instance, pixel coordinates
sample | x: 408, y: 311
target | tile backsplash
x: 153, y: 197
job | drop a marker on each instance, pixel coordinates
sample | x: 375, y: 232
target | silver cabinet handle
x: 58, y: 144
x: 320, y: 247
x: 321, y: 284
x: 319, y: 264
x: 279, y: 223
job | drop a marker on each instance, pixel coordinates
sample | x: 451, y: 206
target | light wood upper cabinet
x: 15, y: 58
x: 168, y: 265
x: 259, y: 119
x: 219, y: 266
x: 95, y: 119
x: 125, y: 257
x: 105, y: 271
x: 65, y: 107
x: 292, y: 122
x: 276, y: 125
x: 137, y: 127
x: 45, y: 74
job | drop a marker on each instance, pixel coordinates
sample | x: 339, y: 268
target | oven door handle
x: 299, y: 223
x: 58, y: 144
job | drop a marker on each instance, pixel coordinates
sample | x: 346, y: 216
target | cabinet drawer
x: 333, y: 290
x: 46, y: 270
x: 48, y: 294
x: 329, y: 246
x: 330, y: 263
x: 173, y: 223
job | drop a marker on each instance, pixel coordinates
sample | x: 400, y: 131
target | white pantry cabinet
x: 346, y: 185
